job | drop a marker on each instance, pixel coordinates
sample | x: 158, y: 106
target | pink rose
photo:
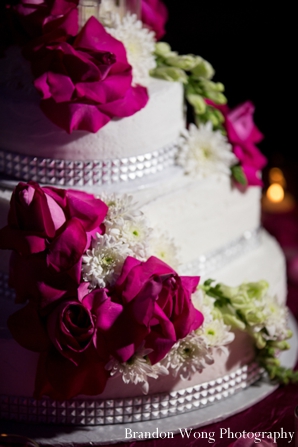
x: 42, y: 18
x: 243, y: 134
x: 85, y: 84
x: 84, y: 78
x: 49, y: 229
x: 91, y: 318
x: 71, y: 329
x: 65, y: 336
x: 155, y: 16
x: 157, y: 304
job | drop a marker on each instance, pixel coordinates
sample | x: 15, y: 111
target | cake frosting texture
x: 151, y: 277
x: 25, y: 130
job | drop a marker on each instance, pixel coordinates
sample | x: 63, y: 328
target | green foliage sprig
x: 195, y: 73
x: 242, y: 308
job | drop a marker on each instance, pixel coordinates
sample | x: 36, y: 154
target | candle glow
x: 275, y: 193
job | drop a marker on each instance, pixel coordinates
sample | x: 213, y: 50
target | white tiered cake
x: 200, y: 225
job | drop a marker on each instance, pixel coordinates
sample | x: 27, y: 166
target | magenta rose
x: 65, y: 336
x: 85, y: 84
x: 49, y: 229
x: 44, y: 18
x: 71, y: 329
x: 157, y: 308
x: 155, y: 16
x: 243, y: 134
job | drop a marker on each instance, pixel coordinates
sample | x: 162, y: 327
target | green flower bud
x: 272, y: 361
x: 289, y: 334
x: 259, y: 340
x: 186, y: 62
x: 241, y: 299
x: 197, y: 102
x: 162, y: 49
x: 256, y: 289
x: 281, y: 345
x: 169, y: 74
x: 253, y: 317
x: 203, y: 70
x: 216, y: 97
x: 219, y: 87
x: 227, y: 291
x: 233, y: 321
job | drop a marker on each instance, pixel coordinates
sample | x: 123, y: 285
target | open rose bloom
x: 83, y: 77
x: 78, y: 328
x: 243, y: 135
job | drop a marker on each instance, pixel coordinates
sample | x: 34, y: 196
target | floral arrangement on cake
x: 98, y: 303
x: 222, y: 140
x: 88, y: 76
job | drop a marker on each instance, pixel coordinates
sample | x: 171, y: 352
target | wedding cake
x: 121, y: 214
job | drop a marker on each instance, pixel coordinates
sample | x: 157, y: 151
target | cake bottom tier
x: 232, y: 370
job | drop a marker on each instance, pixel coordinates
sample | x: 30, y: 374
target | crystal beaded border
x: 86, y: 172
x: 216, y: 259
x: 204, y: 265
x: 126, y: 410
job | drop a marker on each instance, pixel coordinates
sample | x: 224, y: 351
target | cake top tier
x: 89, y: 111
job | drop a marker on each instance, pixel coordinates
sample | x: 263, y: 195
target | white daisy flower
x: 189, y: 355
x: 136, y: 235
x: 139, y: 43
x: 102, y: 264
x: 217, y: 333
x: 121, y: 208
x: 164, y: 248
x: 137, y: 370
x: 205, y: 151
x: 276, y: 318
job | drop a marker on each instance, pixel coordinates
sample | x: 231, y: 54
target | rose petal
x: 67, y: 248
x: 74, y: 116
x: 89, y: 210
x: 21, y: 241
x: 135, y: 99
x: 59, y: 378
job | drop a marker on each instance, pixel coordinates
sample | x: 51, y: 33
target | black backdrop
x: 253, y: 51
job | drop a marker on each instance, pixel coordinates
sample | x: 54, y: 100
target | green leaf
x: 238, y: 174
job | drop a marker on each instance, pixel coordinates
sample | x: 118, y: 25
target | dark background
x: 253, y: 50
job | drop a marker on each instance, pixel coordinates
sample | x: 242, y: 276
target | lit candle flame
x: 275, y: 193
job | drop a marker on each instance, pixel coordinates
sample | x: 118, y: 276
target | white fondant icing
x: 255, y: 265
x: 25, y: 129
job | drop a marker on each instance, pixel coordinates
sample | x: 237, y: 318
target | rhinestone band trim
x: 120, y: 411
x: 220, y: 257
x: 86, y: 172
x: 201, y: 266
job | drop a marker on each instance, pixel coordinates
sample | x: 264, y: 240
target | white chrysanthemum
x: 189, y: 355
x: 217, y: 333
x: 276, y: 317
x: 164, y: 248
x: 205, y: 304
x: 132, y: 228
x: 137, y: 370
x: 139, y: 43
x: 205, y: 151
x: 136, y: 235
x: 121, y: 208
x: 102, y: 264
